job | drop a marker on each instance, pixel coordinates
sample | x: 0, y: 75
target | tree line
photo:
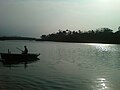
x: 101, y: 35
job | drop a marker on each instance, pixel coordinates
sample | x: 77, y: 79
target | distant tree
x: 91, y: 32
x: 104, y: 30
x: 60, y: 31
x: 43, y: 36
x: 64, y: 32
x: 101, y: 35
x: 119, y: 28
x: 107, y: 30
x: 118, y: 32
x: 79, y: 31
x: 69, y: 32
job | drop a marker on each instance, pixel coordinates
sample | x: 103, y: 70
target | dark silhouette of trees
x: 100, y: 35
x: 119, y: 28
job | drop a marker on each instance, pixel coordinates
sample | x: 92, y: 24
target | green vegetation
x: 101, y: 35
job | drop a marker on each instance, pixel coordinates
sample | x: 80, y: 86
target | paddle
x: 19, y: 49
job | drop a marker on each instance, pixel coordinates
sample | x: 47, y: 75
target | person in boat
x: 25, y: 50
x: 9, y: 51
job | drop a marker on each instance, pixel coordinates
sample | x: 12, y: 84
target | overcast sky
x: 37, y: 17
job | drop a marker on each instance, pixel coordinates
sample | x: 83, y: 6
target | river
x: 63, y: 66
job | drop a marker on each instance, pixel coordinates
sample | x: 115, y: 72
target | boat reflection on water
x: 11, y: 59
x: 13, y: 63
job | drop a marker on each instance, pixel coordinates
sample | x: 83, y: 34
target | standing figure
x: 9, y: 51
x: 25, y: 50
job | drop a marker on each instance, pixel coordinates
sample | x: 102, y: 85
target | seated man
x: 25, y: 50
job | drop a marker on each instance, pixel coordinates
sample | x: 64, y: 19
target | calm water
x: 63, y: 66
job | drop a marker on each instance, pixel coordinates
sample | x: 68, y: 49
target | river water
x: 63, y: 66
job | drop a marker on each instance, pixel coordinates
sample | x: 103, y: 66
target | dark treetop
x: 101, y: 35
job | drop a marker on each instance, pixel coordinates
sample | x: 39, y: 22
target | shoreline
x: 70, y: 41
x: 102, y: 42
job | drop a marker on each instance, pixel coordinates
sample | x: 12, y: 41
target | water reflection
x: 13, y: 63
x: 102, y: 47
x: 101, y: 84
x: 65, y: 66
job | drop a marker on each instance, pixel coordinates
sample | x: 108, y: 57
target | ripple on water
x: 29, y: 82
x: 101, y: 84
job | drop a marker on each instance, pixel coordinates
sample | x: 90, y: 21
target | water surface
x: 63, y: 66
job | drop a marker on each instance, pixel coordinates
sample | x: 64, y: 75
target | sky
x: 34, y: 18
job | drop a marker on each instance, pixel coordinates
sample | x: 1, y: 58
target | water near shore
x: 63, y: 66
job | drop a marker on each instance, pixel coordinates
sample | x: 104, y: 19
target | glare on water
x: 63, y: 66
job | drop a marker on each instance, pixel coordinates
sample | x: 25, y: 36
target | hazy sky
x: 37, y: 17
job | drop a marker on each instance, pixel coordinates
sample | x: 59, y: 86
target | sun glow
x: 101, y: 47
x: 98, y: 44
x: 106, y: 5
x: 105, y: 0
x: 101, y: 84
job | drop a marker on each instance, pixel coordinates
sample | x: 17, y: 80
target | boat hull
x: 18, y: 57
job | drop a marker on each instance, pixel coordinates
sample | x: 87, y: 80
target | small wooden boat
x: 18, y: 57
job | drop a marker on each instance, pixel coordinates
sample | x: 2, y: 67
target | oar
x: 19, y: 49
